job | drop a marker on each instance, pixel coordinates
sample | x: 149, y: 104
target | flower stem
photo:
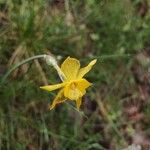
x: 20, y: 64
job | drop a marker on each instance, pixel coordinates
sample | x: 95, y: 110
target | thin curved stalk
x: 20, y: 64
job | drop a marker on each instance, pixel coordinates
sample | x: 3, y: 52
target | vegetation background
x: 115, y: 112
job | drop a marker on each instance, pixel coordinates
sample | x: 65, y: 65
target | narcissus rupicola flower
x: 73, y: 86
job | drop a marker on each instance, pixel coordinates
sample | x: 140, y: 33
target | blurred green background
x: 115, y: 110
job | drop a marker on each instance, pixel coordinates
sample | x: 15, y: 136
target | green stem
x: 103, y: 57
x: 114, y: 56
x: 18, y: 65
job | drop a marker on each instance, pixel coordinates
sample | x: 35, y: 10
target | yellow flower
x: 74, y: 85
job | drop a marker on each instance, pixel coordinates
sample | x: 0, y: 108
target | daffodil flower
x: 74, y: 85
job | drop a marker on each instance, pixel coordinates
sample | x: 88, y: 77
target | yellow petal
x: 76, y: 89
x: 71, y: 92
x: 82, y: 85
x: 70, y: 68
x: 52, y: 87
x: 78, y: 103
x: 58, y: 99
x: 86, y: 69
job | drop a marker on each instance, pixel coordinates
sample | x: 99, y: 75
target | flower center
x: 73, y: 86
x: 72, y: 92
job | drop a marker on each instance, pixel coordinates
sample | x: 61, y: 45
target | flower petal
x: 76, y: 89
x: 71, y: 92
x: 86, y: 69
x: 58, y: 99
x: 82, y: 85
x: 70, y: 68
x: 52, y: 87
x: 78, y: 103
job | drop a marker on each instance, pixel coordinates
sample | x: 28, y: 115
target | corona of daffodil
x: 74, y: 85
